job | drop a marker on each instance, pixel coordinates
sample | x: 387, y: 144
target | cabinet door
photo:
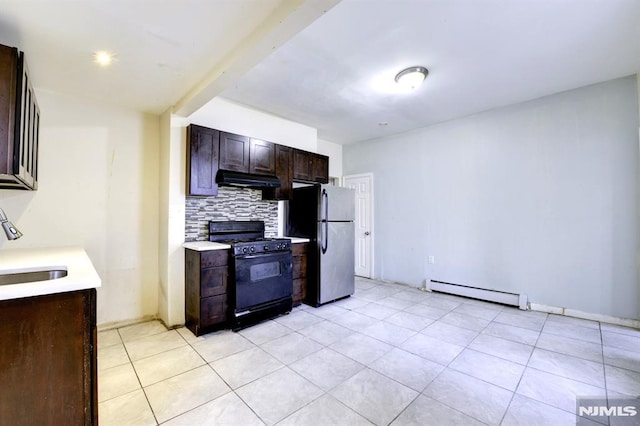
x: 284, y: 172
x: 234, y: 152
x: 302, y: 165
x: 262, y: 158
x: 320, y: 168
x: 213, y: 310
x: 202, y: 160
x: 29, y: 127
x: 300, y: 255
x: 8, y: 78
x: 19, y: 122
x: 48, y: 360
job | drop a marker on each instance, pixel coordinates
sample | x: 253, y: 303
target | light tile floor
x: 388, y: 355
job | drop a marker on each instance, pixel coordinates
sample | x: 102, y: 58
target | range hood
x: 246, y: 180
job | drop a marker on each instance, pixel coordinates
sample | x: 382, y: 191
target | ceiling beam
x: 291, y: 17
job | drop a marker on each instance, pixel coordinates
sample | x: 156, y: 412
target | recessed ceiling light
x: 103, y: 58
x: 411, y: 78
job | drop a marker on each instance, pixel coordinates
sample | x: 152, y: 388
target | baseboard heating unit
x: 497, y: 296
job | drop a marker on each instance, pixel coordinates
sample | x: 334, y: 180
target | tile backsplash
x: 231, y: 204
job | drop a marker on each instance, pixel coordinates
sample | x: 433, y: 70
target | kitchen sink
x: 29, y: 277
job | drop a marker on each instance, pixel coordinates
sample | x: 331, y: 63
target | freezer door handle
x: 325, y: 223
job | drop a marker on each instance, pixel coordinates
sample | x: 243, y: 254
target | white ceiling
x: 335, y: 72
x: 481, y: 54
x: 167, y: 52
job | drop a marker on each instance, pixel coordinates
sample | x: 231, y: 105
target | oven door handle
x: 261, y: 255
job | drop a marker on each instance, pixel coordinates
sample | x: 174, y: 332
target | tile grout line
x: 146, y: 397
x: 513, y: 395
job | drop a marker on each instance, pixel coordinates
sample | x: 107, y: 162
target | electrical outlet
x: 432, y: 260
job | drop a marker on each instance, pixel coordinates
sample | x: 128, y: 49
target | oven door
x: 261, y: 279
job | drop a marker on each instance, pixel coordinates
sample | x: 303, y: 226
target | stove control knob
x: 244, y: 250
x: 253, y: 249
x: 266, y: 247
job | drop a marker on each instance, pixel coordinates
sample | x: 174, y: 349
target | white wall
x: 223, y: 114
x: 539, y: 198
x: 98, y: 188
x: 334, y: 152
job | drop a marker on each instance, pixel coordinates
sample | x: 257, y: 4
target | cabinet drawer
x: 213, y: 281
x: 213, y: 310
x: 214, y: 258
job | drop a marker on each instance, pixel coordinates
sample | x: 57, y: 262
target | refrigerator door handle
x: 325, y: 237
x: 324, y: 212
x: 325, y: 223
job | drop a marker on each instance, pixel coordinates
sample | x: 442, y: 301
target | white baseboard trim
x: 625, y: 322
x: 513, y: 299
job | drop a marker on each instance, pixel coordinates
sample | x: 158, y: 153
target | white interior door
x: 363, y: 185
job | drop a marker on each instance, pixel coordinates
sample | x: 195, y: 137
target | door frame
x: 371, y: 204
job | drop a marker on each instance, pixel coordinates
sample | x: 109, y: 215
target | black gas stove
x: 261, y: 280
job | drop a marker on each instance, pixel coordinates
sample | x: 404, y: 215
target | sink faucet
x: 11, y: 231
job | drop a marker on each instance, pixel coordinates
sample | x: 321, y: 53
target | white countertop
x: 81, y: 274
x: 205, y: 245
x: 209, y: 245
x: 297, y: 240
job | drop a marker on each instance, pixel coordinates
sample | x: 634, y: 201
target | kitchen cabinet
x: 262, y: 158
x: 202, y: 160
x: 19, y: 123
x: 234, y: 152
x: 284, y: 173
x: 320, y: 168
x: 48, y: 359
x: 302, y: 165
x: 310, y: 167
x: 206, y: 278
x: 211, y: 150
x: 243, y: 154
x: 300, y: 252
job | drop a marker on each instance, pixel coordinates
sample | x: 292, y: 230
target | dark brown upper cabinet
x: 202, y: 160
x: 234, y: 152
x: 284, y: 172
x: 210, y: 150
x: 262, y: 159
x: 19, y: 123
x: 310, y: 167
x: 320, y: 168
x: 302, y: 165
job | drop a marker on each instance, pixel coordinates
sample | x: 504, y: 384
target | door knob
x: 367, y: 233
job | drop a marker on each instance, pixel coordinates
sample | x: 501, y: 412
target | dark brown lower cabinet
x: 300, y: 253
x: 206, y: 276
x: 48, y: 360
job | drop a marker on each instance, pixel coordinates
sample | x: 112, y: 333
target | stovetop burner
x: 246, y: 237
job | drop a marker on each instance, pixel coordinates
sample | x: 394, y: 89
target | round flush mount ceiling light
x: 412, y: 77
x: 103, y: 58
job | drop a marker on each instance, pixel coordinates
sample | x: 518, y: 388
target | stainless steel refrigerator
x: 325, y: 214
